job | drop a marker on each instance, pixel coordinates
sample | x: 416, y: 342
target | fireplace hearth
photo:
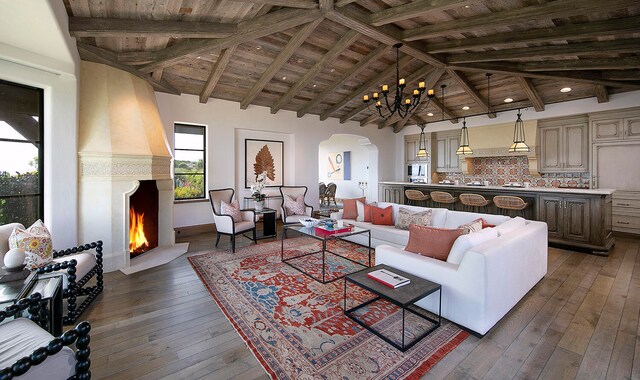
x: 143, y: 218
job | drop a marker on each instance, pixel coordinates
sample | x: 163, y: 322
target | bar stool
x: 506, y: 204
x: 416, y: 197
x: 444, y: 199
x: 473, y: 202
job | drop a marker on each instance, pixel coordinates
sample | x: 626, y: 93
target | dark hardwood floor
x: 580, y: 321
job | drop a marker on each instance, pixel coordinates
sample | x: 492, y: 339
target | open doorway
x: 351, y: 163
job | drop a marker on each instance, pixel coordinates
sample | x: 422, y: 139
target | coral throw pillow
x: 349, y: 209
x: 35, y: 240
x: 407, y: 218
x: 382, y: 216
x: 485, y: 224
x: 364, y: 211
x: 232, y: 209
x: 432, y: 242
x: 294, y: 206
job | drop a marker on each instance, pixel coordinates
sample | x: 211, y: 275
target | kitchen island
x: 576, y: 217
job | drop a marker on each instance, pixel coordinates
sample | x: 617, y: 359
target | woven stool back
x: 475, y: 200
x: 442, y: 197
x: 416, y: 195
x: 509, y: 202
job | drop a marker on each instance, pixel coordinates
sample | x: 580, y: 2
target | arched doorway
x: 358, y: 165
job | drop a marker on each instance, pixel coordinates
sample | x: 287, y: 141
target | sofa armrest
x: 248, y: 215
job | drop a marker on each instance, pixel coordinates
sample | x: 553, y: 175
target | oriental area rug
x: 296, y: 327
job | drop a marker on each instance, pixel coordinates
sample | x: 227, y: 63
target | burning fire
x: 137, y: 241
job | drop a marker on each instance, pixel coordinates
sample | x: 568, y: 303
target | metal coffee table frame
x: 404, y: 297
x: 310, y: 232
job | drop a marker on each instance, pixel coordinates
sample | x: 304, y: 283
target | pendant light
x: 464, y: 148
x: 422, y: 145
x: 519, y: 144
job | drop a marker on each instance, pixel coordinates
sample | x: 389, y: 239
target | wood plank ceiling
x: 321, y: 56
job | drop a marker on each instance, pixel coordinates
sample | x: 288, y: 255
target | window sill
x: 183, y: 201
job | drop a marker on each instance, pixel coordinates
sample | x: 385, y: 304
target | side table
x: 268, y: 223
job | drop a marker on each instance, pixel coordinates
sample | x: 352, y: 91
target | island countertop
x: 563, y: 190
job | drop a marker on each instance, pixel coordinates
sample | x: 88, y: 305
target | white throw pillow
x: 468, y: 241
x: 510, y: 225
x: 360, y: 208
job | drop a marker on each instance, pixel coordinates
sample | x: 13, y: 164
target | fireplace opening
x: 143, y: 218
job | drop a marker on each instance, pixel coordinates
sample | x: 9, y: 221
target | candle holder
x: 363, y: 186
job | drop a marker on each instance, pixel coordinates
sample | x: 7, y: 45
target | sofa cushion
x: 467, y: 241
x: 510, y: 225
x: 364, y: 211
x: 232, y: 209
x: 456, y: 218
x: 382, y: 216
x: 20, y: 337
x: 406, y: 218
x: 431, y: 241
x: 349, y: 209
x: 35, y: 240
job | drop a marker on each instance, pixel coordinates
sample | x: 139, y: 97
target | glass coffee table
x: 329, y: 259
x: 403, y: 297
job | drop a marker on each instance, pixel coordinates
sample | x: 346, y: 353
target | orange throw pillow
x: 432, y: 242
x: 382, y: 216
x: 349, y: 209
x: 367, y: 212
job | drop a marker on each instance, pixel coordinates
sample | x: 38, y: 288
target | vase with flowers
x: 256, y: 191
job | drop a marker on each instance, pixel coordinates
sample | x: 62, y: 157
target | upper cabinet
x: 411, y: 146
x: 447, y: 144
x: 564, y: 145
x: 615, y: 126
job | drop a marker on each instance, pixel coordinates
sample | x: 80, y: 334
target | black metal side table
x: 268, y: 223
x: 404, y: 297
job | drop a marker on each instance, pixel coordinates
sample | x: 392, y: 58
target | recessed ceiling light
x: 465, y: 108
x: 332, y: 70
x: 315, y: 85
x: 284, y: 78
x: 430, y: 114
x: 565, y: 89
x: 258, y: 47
x: 467, y: 6
x: 508, y: 100
x: 199, y: 57
x: 300, y: 60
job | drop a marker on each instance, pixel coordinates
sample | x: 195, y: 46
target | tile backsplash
x: 502, y: 170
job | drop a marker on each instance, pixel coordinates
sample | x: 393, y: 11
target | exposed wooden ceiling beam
x: 349, y: 38
x: 584, y: 64
x: 513, y: 70
x: 282, y: 58
x: 463, y: 81
x: 99, y: 55
x: 558, y: 33
x: 157, y: 75
x: 216, y: 73
x: 531, y: 92
x: 366, y: 87
x: 412, y: 78
x: 326, y: 5
x: 370, y: 119
x: 305, y: 4
x: 546, y: 11
x: 352, y: 72
x: 575, y: 49
x: 415, y: 9
x: 247, y: 30
x: 342, y: 3
x: 117, y: 27
x: 601, y: 94
x: 621, y: 75
x: 430, y: 82
x: 388, y: 35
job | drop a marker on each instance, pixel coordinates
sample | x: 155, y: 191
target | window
x: 189, y: 161
x: 21, y: 154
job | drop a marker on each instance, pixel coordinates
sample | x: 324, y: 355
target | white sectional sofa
x: 480, y: 282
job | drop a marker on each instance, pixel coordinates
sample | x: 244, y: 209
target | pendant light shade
x: 422, y: 145
x: 519, y: 144
x: 464, y: 148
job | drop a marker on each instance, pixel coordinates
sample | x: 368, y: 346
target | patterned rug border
x: 440, y: 353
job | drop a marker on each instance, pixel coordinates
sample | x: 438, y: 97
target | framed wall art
x: 339, y: 166
x: 264, y: 156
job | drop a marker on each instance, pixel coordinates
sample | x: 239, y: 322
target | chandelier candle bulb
x: 407, y: 101
x: 375, y: 95
x: 431, y: 93
x: 385, y: 88
x: 421, y: 85
x: 401, y: 82
x: 416, y: 93
x: 365, y: 98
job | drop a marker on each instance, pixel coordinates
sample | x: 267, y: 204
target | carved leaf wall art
x: 264, y: 163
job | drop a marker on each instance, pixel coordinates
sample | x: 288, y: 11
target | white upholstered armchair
x: 292, y: 210
x: 224, y: 223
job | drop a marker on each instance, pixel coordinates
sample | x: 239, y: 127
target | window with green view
x: 21, y: 154
x: 189, y: 161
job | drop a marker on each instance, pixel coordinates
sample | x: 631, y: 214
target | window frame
x: 204, y: 162
x: 41, y: 149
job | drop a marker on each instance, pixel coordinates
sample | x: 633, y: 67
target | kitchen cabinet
x: 564, y: 145
x: 626, y: 212
x: 615, y: 126
x: 567, y: 217
x: 391, y: 193
x: 446, y: 146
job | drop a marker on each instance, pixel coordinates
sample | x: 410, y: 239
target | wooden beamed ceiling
x: 320, y: 56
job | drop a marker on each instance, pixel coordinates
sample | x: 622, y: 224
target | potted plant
x: 256, y: 191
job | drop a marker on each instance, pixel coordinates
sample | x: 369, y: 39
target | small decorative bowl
x: 329, y: 223
x: 309, y: 222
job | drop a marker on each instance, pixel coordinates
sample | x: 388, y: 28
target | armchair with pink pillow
x: 293, y: 205
x: 229, y: 218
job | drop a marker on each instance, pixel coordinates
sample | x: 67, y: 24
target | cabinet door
x: 577, y: 218
x: 550, y: 211
x: 551, y: 149
x: 632, y: 128
x: 441, y: 159
x: 410, y: 150
x: 575, y: 148
x: 606, y: 130
x: 454, y: 160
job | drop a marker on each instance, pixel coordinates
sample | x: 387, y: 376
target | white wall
x: 228, y: 124
x: 574, y: 107
x: 36, y: 50
x: 363, y: 156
